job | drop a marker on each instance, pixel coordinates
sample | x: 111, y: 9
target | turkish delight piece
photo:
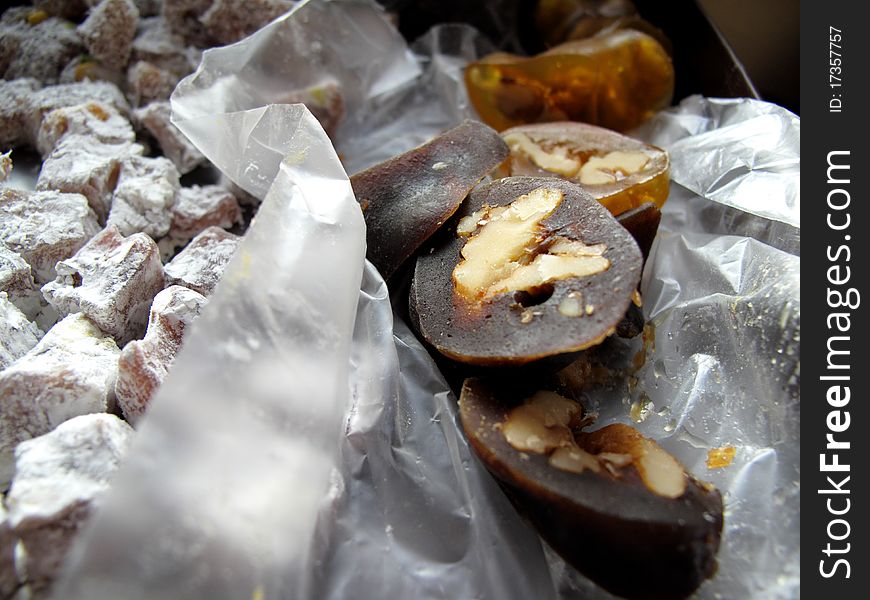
x: 112, y: 280
x: 70, y: 372
x: 17, y: 334
x: 109, y: 30
x: 175, y: 145
x: 144, y: 363
x: 200, y: 265
x: 47, y: 99
x: 146, y: 82
x: 228, y: 21
x: 16, y: 281
x: 45, y: 227
x: 41, y: 45
x: 98, y: 121
x: 15, y: 110
x: 198, y: 208
x: 86, y: 68
x: 82, y: 164
x: 8, y: 578
x: 59, y: 479
x: 157, y: 44
x: 144, y: 196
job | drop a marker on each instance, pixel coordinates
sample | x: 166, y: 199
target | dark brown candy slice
x: 407, y: 198
x: 620, y: 172
x: 614, y: 504
x: 531, y: 268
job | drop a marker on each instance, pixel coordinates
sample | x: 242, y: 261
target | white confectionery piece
x: 34, y: 44
x: 81, y: 164
x: 70, y: 372
x: 147, y: 82
x: 17, y: 334
x: 228, y: 21
x: 60, y: 478
x: 45, y: 227
x: 175, y: 145
x: 112, y: 280
x: 100, y: 122
x: 109, y: 30
x: 197, y: 208
x: 144, y: 363
x: 8, y: 579
x: 200, y: 265
x: 144, y: 196
x: 5, y: 166
x: 47, y: 99
x: 15, y: 111
x: 85, y: 68
x: 158, y: 45
x: 16, y: 281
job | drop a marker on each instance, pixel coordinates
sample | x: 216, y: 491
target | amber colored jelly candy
x: 616, y: 80
x: 620, y: 172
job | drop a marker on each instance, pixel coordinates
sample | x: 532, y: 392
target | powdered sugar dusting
x: 70, y: 372
x: 112, y: 280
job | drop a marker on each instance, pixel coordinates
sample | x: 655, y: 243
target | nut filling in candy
x: 620, y: 172
x: 610, y: 501
x: 531, y: 268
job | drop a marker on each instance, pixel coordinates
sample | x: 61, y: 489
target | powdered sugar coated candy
x: 45, y: 227
x: 198, y: 208
x: 70, y: 372
x: 34, y: 44
x: 109, y: 30
x: 112, y: 280
x: 160, y: 46
x: 17, y: 334
x: 175, y: 145
x: 101, y: 122
x: 228, y: 21
x: 200, y: 265
x: 47, y: 99
x: 144, y: 363
x: 15, y: 110
x: 59, y: 477
x: 146, y: 82
x: 144, y: 196
x: 16, y: 281
x: 82, y: 164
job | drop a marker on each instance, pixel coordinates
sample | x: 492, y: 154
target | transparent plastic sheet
x: 226, y: 493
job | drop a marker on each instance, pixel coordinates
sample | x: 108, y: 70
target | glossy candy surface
x: 614, y: 504
x: 616, y: 80
x: 525, y: 301
x: 406, y: 199
x: 620, y: 172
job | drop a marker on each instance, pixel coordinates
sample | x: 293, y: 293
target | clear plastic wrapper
x: 298, y: 400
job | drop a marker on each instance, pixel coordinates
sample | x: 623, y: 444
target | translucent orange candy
x: 616, y: 80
